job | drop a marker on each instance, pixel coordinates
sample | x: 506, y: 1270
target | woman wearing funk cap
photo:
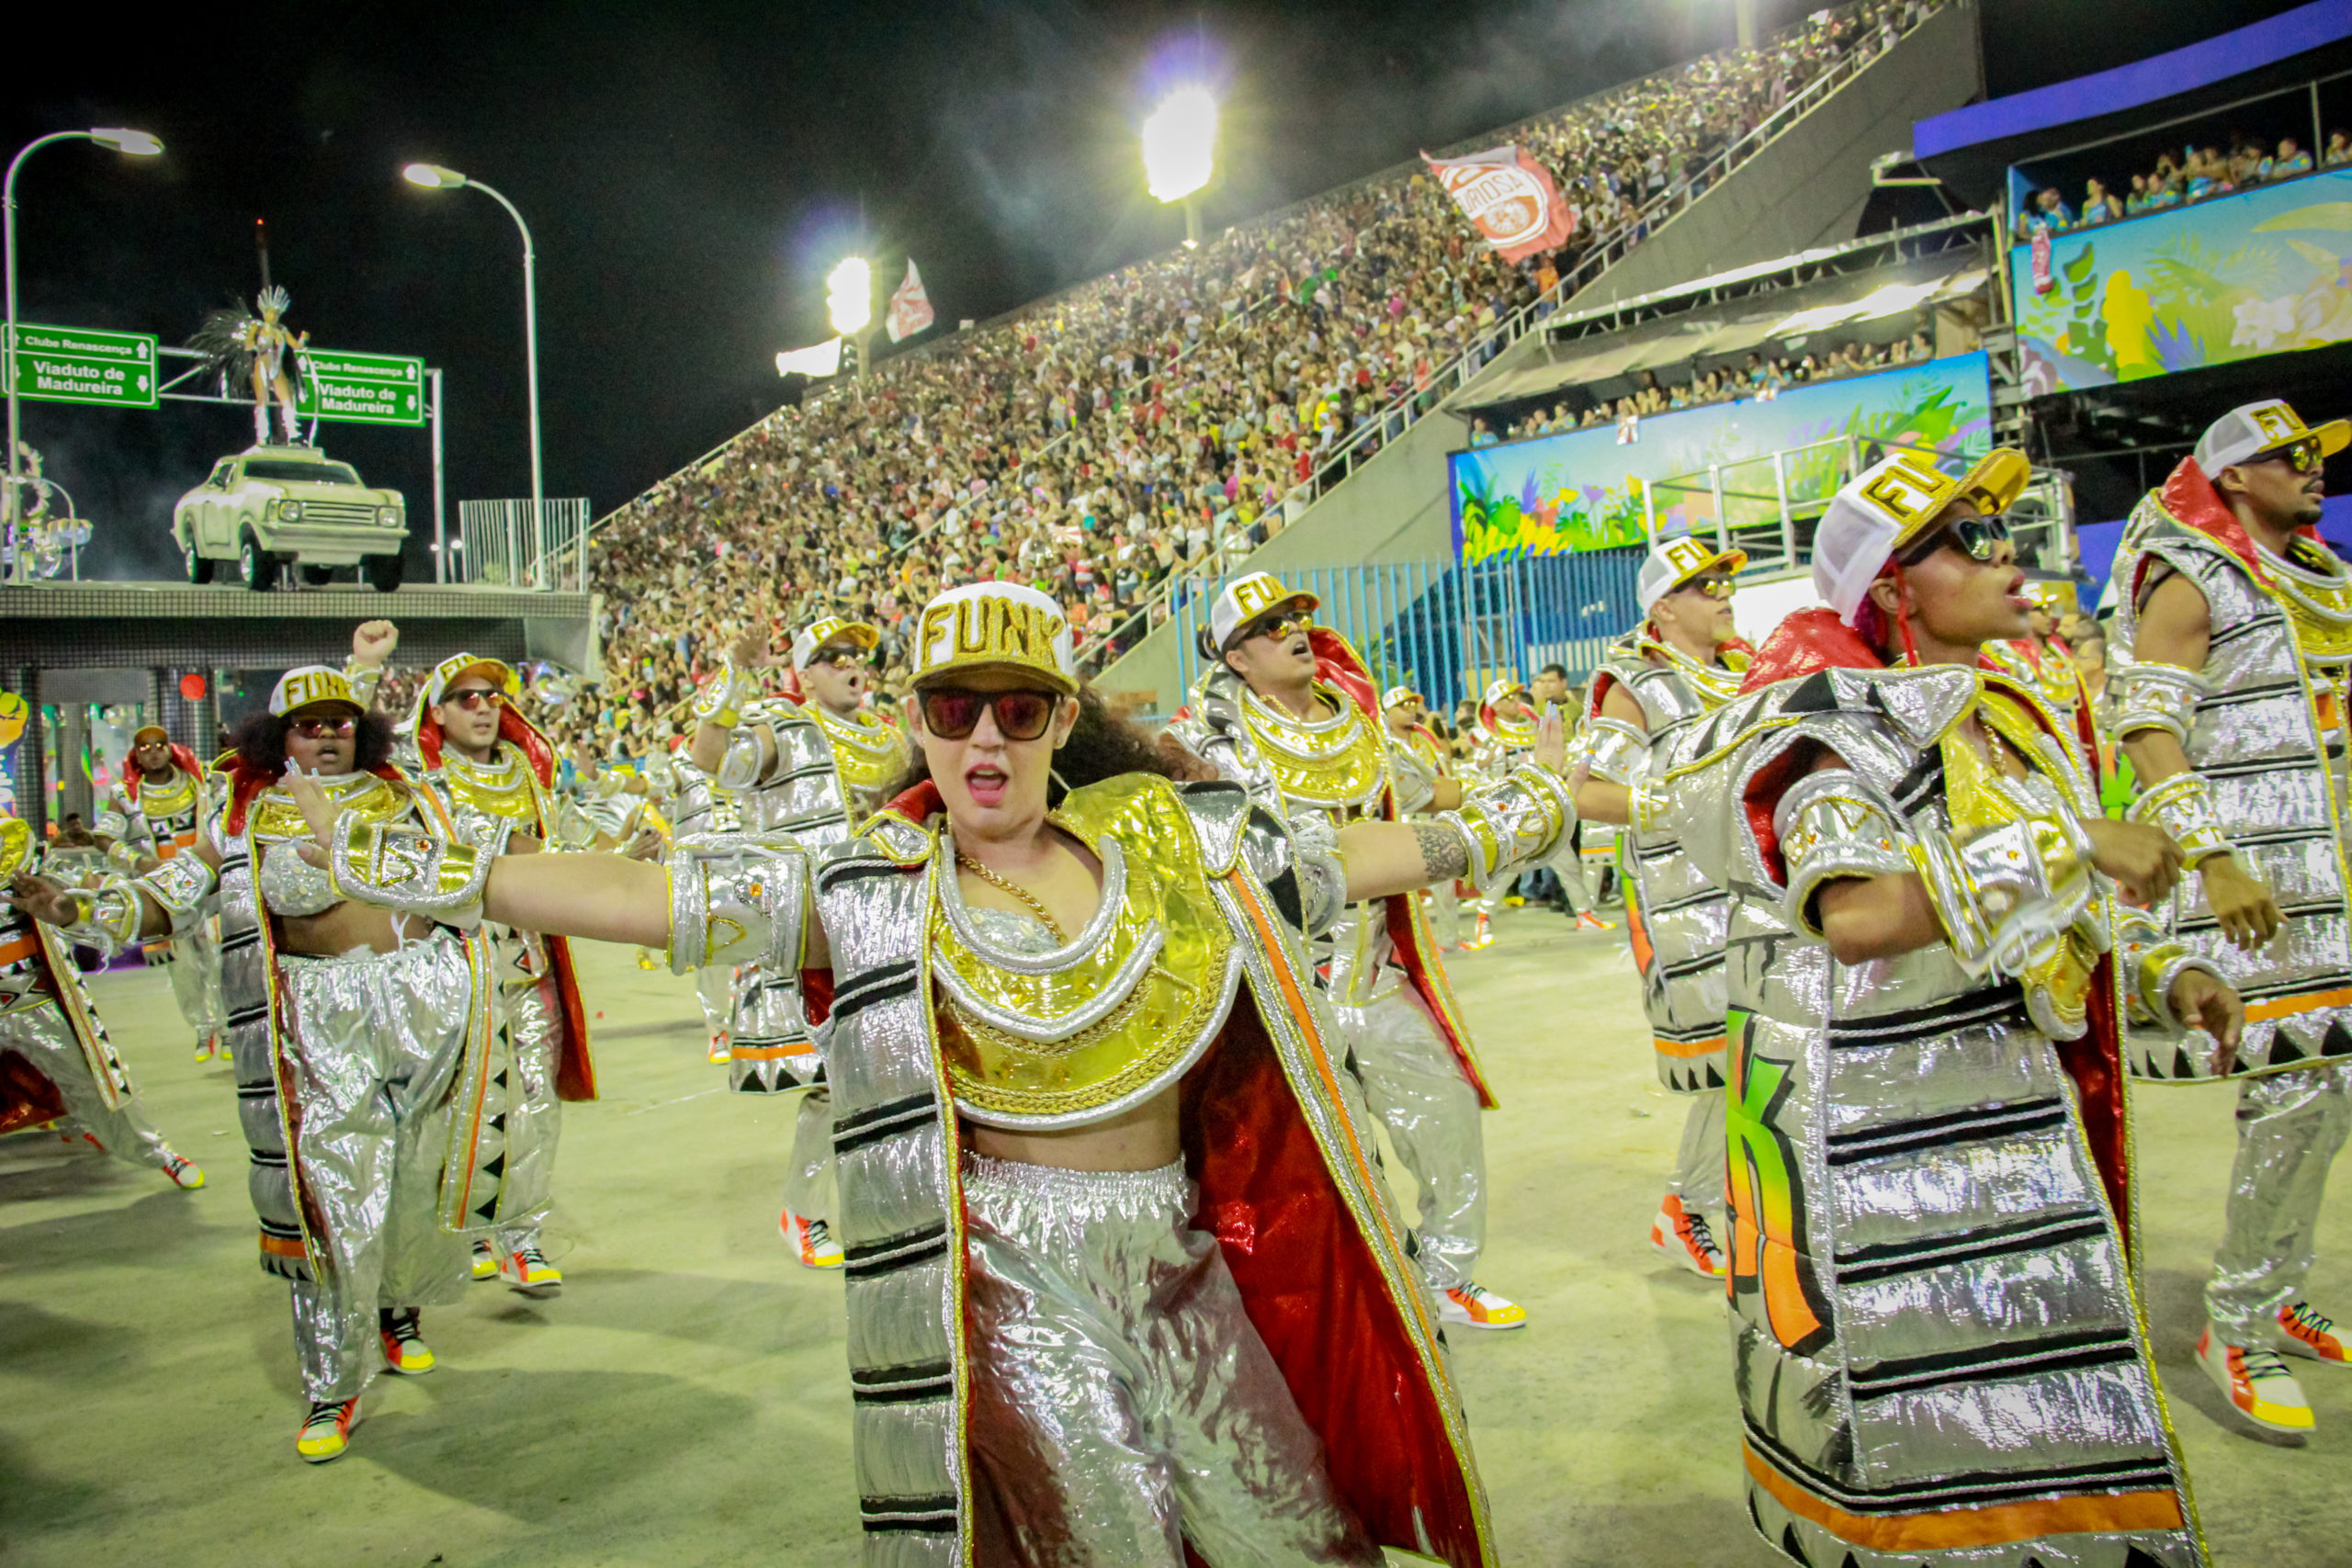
x: 1940, y: 1351
x: 1121, y: 1270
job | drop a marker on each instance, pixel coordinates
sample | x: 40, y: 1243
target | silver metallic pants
x: 193, y: 960
x: 38, y: 1032
x: 1415, y: 1085
x: 1122, y: 1401
x: 2289, y: 1126
x: 715, y: 989
x: 373, y: 1051
x: 808, y: 1179
x: 1699, y: 1166
x: 534, y: 1115
x: 1446, y: 915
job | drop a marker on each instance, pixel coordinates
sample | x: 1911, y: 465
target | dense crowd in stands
x: 1162, y: 420
x: 2197, y: 173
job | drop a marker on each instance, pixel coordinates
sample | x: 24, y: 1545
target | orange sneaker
x: 2311, y: 1335
x: 404, y: 1348
x: 722, y: 1050
x: 812, y: 1239
x: 326, y: 1431
x: 2256, y: 1382
x: 1474, y: 1306
x: 182, y: 1172
x: 1683, y: 1238
x: 526, y: 1269
x: 1589, y: 922
x: 1483, y: 936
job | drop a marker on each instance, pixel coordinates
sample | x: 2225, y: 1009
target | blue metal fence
x: 1446, y: 629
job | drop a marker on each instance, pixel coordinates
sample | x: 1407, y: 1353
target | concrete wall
x: 1805, y: 188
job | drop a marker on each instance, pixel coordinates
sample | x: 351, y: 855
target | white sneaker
x: 1474, y: 1306
x: 2255, y: 1382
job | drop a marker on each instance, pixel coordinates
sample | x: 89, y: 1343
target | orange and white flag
x: 910, y: 307
x: 1509, y: 196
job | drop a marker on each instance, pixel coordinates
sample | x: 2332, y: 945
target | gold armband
x: 720, y: 700
x: 2183, y: 806
x: 1512, y: 823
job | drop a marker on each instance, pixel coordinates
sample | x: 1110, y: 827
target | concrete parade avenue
x: 685, y: 1399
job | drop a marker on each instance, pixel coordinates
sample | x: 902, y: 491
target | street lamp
x: 433, y: 176
x: 132, y: 143
x: 1180, y: 151
x: 849, y: 301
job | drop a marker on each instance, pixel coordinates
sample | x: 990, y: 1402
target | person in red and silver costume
x: 150, y: 817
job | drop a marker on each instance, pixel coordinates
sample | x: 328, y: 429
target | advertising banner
x: 2232, y: 278
x: 1591, y: 488
x: 1509, y: 196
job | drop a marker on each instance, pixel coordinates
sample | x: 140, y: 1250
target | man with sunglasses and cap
x: 1286, y: 709
x: 1509, y: 717
x: 153, y: 815
x: 492, y: 771
x: 812, y: 762
x: 1421, y: 761
x: 2236, y: 620
x: 361, y: 1038
x: 1683, y: 661
x: 1940, y: 1351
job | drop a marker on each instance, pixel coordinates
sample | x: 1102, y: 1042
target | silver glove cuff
x: 1512, y: 823
x: 720, y: 700
x: 1616, y: 752
x: 737, y: 900
x: 109, y: 917
x: 2156, y: 697
x: 416, y: 874
x: 180, y: 886
x: 1831, y: 830
x: 365, y: 679
x: 2183, y: 806
x: 739, y: 768
x: 2006, y: 895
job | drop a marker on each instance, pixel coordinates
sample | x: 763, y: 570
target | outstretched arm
x: 600, y: 897
x: 1385, y: 858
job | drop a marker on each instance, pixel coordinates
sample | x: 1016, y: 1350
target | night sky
x: 690, y: 173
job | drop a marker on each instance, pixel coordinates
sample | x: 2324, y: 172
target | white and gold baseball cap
x: 995, y: 626
x: 2252, y: 429
x: 497, y: 672
x: 1395, y: 695
x: 309, y: 686
x: 1247, y: 598
x: 1675, y: 561
x: 831, y: 629
x: 1893, y: 502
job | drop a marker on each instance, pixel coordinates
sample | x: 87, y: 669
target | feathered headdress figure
x: 258, y: 350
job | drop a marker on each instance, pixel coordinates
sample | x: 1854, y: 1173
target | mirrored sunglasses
x: 1978, y: 539
x: 1715, y: 586
x: 2304, y: 457
x: 952, y: 713
x: 475, y: 698
x: 1280, y: 624
x: 316, y: 729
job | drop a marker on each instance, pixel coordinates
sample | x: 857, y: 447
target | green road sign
x: 80, y: 365
x: 362, y: 389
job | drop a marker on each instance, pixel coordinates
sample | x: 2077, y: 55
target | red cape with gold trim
x: 575, y: 1070
x: 1816, y: 639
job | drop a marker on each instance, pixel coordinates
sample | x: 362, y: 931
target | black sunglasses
x: 952, y: 713
x: 1978, y: 539
x: 2303, y: 456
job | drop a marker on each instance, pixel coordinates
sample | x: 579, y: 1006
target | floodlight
x: 1180, y: 143
x: 433, y: 176
x: 849, y: 296
x: 136, y: 143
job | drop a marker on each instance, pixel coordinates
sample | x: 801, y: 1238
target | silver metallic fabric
x: 411, y: 870
x: 99, y: 1100
x: 1677, y: 916
x: 808, y: 1169
x: 1514, y: 822
x: 192, y: 959
x: 2290, y: 1126
x: 715, y: 990
x: 526, y: 1040
x: 1938, y: 1346
x: 180, y: 887
x: 2278, y: 788
x: 292, y: 886
x: 1415, y: 1088
x: 735, y: 899
x: 2155, y: 697
x: 1122, y: 1401
x: 370, y: 1061
x: 1699, y: 1159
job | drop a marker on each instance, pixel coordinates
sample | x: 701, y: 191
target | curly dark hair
x: 1102, y: 746
x: 260, y: 740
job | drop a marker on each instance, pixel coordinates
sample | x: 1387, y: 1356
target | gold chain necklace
x: 1008, y: 886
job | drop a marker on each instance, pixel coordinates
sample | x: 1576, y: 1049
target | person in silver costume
x: 1939, y: 1350
x: 1080, y: 1066
x: 810, y: 763
x: 355, y: 1034
x: 1421, y: 760
x: 57, y: 1064
x: 2230, y: 704
x: 1508, y: 714
x: 1683, y: 661
x: 153, y: 814
x: 1285, y: 709
x: 492, y: 770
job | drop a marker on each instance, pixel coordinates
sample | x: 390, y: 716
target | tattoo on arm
x: 1444, y: 854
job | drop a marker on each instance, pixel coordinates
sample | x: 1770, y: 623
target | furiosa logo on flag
x: 1509, y: 196
x: 910, y: 307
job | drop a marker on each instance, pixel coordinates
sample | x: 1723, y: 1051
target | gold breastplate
x: 1713, y: 684
x: 500, y: 789
x: 273, y: 816
x: 1338, y: 763
x: 2317, y: 596
x: 868, y: 751
x: 1065, y: 1038
x: 163, y: 803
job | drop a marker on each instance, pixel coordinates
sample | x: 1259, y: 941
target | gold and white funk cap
x: 995, y: 626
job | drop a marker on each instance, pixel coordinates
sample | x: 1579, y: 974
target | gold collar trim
x: 1337, y: 763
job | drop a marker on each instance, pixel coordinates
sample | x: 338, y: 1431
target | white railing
x: 501, y: 544
x: 1375, y: 431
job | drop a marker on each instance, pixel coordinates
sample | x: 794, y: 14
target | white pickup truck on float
x: 279, y: 505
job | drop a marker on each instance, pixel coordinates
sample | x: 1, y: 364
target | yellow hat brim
x: 1994, y: 484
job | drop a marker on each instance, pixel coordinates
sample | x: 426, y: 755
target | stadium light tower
x: 132, y: 143
x: 849, y: 301
x: 433, y: 176
x: 1180, y: 151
